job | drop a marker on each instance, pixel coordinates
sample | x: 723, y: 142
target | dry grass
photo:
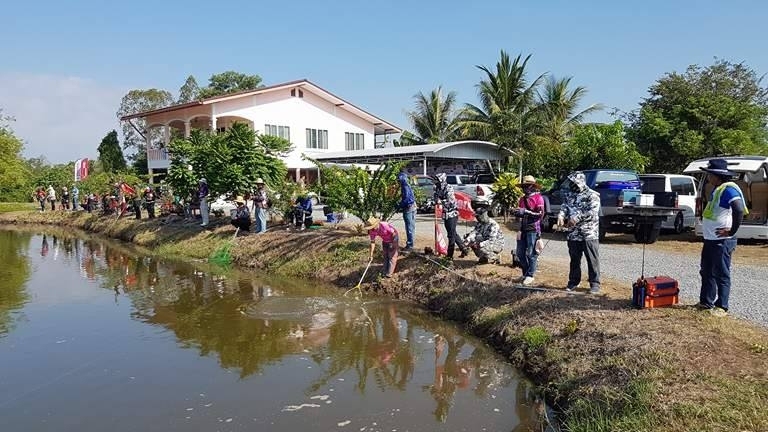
x: 606, y: 366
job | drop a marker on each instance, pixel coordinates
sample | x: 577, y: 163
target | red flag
x: 127, y: 189
x: 464, y: 205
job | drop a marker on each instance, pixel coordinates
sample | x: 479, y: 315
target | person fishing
x: 149, y: 202
x: 445, y: 195
x: 52, y: 197
x: 530, y: 211
x: 75, y: 198
x: 486, y: 240
x: 64, y: 198
x: 580, y: 211
x: 40, y: 194
x: 260, y: 205
x: 136, y: 202
x: 241, y: 217
x: 202, y: 196
x: 720, y: 222
x: 389, y: 242
x: 302, y: 213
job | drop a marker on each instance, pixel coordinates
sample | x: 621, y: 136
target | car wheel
x: 679, y: 223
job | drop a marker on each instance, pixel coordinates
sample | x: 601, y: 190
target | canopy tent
x: 434, y: 153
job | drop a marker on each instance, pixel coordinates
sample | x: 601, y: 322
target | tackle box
x: 655, y: 292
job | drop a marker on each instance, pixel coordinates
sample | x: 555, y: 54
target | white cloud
x: 62, y: 118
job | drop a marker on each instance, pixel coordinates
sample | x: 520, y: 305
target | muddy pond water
x: 95, y: 336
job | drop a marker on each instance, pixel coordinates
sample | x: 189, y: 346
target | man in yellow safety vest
x: 720, y: 222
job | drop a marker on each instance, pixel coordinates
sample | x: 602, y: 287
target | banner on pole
x: 81, y: 169
x: 441, y: 243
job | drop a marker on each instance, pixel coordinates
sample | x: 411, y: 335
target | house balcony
x: 158, y: 159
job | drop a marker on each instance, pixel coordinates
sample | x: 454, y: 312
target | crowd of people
x: 579, y: 217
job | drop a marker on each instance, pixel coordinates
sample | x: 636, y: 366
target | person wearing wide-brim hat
x: 530, y: 211
x: 260, y: 205
x: 389, y: 241
x: 241, y: 217
x: 720, y: 221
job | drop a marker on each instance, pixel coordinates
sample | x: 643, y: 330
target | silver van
x: 752, y: 180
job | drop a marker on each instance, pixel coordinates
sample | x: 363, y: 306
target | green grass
x: 536, y: 337
x: 608, y: 411
x: 6, y: 207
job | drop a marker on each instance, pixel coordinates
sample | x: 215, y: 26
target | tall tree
x: 231, y: 161
x: 558, y: 105
x: 190, y: 91
x: 110, y: 154
x: 706, y: 111
x: 505, y: 114
x: 135, y: 133
x: 433, y: 118
x: 229, y: 82
x: 14, y: 174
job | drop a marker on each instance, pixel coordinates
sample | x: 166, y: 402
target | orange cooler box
x: 655, y: 292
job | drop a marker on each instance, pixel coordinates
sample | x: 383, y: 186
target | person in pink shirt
x: 530, y: 211
x: 389, y: 242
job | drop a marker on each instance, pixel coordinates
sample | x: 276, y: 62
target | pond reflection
x: 14, y: 272
x: 377, y: 362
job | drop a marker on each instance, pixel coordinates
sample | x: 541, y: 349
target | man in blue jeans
x: 408, y: 205
x: 720, y: 221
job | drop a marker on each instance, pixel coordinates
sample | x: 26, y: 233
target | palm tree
x: 434, y: 118
x: 506, y: 103
x: 558, y: 105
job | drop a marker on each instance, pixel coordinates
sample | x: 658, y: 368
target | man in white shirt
x: 720, y: 221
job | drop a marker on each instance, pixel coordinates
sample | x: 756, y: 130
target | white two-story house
x: 313, y: 119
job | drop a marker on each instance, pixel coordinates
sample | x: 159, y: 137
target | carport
x: 473, y: 156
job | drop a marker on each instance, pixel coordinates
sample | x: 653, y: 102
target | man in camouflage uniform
x: 445, y: 195
x: 580, y: 213
x: 487, y: 240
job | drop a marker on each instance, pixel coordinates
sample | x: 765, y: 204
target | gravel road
x: 749, y: 292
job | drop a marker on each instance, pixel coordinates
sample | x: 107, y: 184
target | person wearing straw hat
x: 720, y: 221
x: 530, y: 211
x: 260, y: 204
x: 389, y: 242
x: 241, y: 217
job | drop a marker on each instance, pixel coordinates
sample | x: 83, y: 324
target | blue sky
x: 66, y: 64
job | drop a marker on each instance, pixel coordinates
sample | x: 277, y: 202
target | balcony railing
x: 157, y: 154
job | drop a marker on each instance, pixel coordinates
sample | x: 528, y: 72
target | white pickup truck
x: 478, y: 187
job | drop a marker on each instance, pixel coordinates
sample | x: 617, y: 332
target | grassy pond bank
x: 603, y: 365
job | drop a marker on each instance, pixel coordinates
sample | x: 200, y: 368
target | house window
x: 354, y: 141
x: 278, y: 131
x: 317, y: 139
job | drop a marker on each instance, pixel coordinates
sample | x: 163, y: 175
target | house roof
x: 378, y: 123
x: 470, y: 150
